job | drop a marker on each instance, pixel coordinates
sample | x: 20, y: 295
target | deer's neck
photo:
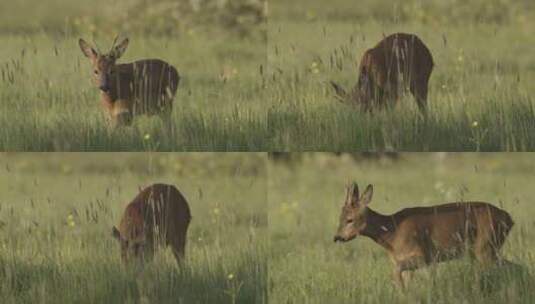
x: 379, y: 228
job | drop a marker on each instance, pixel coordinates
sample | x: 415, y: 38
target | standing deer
x: 420, y: 236
x: 126, y: 90
x: 158, y: 216
x: 395, y: 63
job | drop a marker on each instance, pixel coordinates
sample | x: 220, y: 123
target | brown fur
x: 158, y: 215
x: 416, y: 237
x: 395, y: 63
x: 144, y: 87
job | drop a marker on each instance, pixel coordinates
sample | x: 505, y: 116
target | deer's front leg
x: 398, y: 277
x: 407, y: 263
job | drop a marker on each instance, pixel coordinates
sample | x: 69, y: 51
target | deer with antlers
x: 143, y: 87
x: 420, y: 236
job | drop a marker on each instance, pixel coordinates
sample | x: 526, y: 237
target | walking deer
x: 126, y: 90
x: 420, y: 236
x: 158, y: 216
x: 395, y: 63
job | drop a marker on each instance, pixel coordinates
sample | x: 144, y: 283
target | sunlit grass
x: 305, y: 200
x: 481, y: 75
x: 50, y: 103
x: 57, y: 210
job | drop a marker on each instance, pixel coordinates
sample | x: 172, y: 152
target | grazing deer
x: 129, y: 89
x: 419, y: 236
x: 158, y: 216
x: 397, y: 62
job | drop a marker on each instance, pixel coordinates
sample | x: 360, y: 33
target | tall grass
x: 57, y: 210
x: 305, y: 200
x: 269, y: 91
x: 480, y: 90
x: 50, y: 104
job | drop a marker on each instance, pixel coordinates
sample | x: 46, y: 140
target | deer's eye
x: 349, y: 221
x: 96, y: 72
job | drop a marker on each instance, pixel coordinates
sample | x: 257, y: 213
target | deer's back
x: 144, y: 80
x: 452, y: 224
x: 395, y: 55
x: 158, y: 206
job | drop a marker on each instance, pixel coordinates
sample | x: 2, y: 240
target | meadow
x: 481, y: 93
x: 306, y: 197
x: 49, y: 102
x: 57, y: 211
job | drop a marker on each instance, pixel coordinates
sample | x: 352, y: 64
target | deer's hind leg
x: 487, y: 255
x: 489, y: 242
x: 166, y: 115
x: 485, y: 250
x: 178, y: 246
x: 418, y: 88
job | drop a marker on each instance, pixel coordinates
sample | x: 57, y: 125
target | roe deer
x: 158, y: 215
x: 129, y: 89
x: 397, y: 61
x: 416, y: 237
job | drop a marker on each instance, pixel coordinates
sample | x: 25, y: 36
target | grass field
x: 57, y: 210
x: 305, y: 199
x: 50, y: 104
x: 265, y: 87
x: 480, y: 96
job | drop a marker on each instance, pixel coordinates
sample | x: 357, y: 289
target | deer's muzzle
x: 338, y: 238
x: 123, y: 118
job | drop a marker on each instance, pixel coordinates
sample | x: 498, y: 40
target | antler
x: 114, y: 42
x: 351, y: 187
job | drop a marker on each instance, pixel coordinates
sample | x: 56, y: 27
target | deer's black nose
x: 338, y: 238
x: 123, y: 119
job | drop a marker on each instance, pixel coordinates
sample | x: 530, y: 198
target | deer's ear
x: 340, y: 93
x: 366, y: 196
x: 119, y: 49
x: 88, y: 51
x: 352, y: 195
x: 115, y: 233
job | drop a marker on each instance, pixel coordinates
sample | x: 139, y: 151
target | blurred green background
x: 432, y: 12
x: 57, y: 211
x: 155, y: 17
x: 306, y: 194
